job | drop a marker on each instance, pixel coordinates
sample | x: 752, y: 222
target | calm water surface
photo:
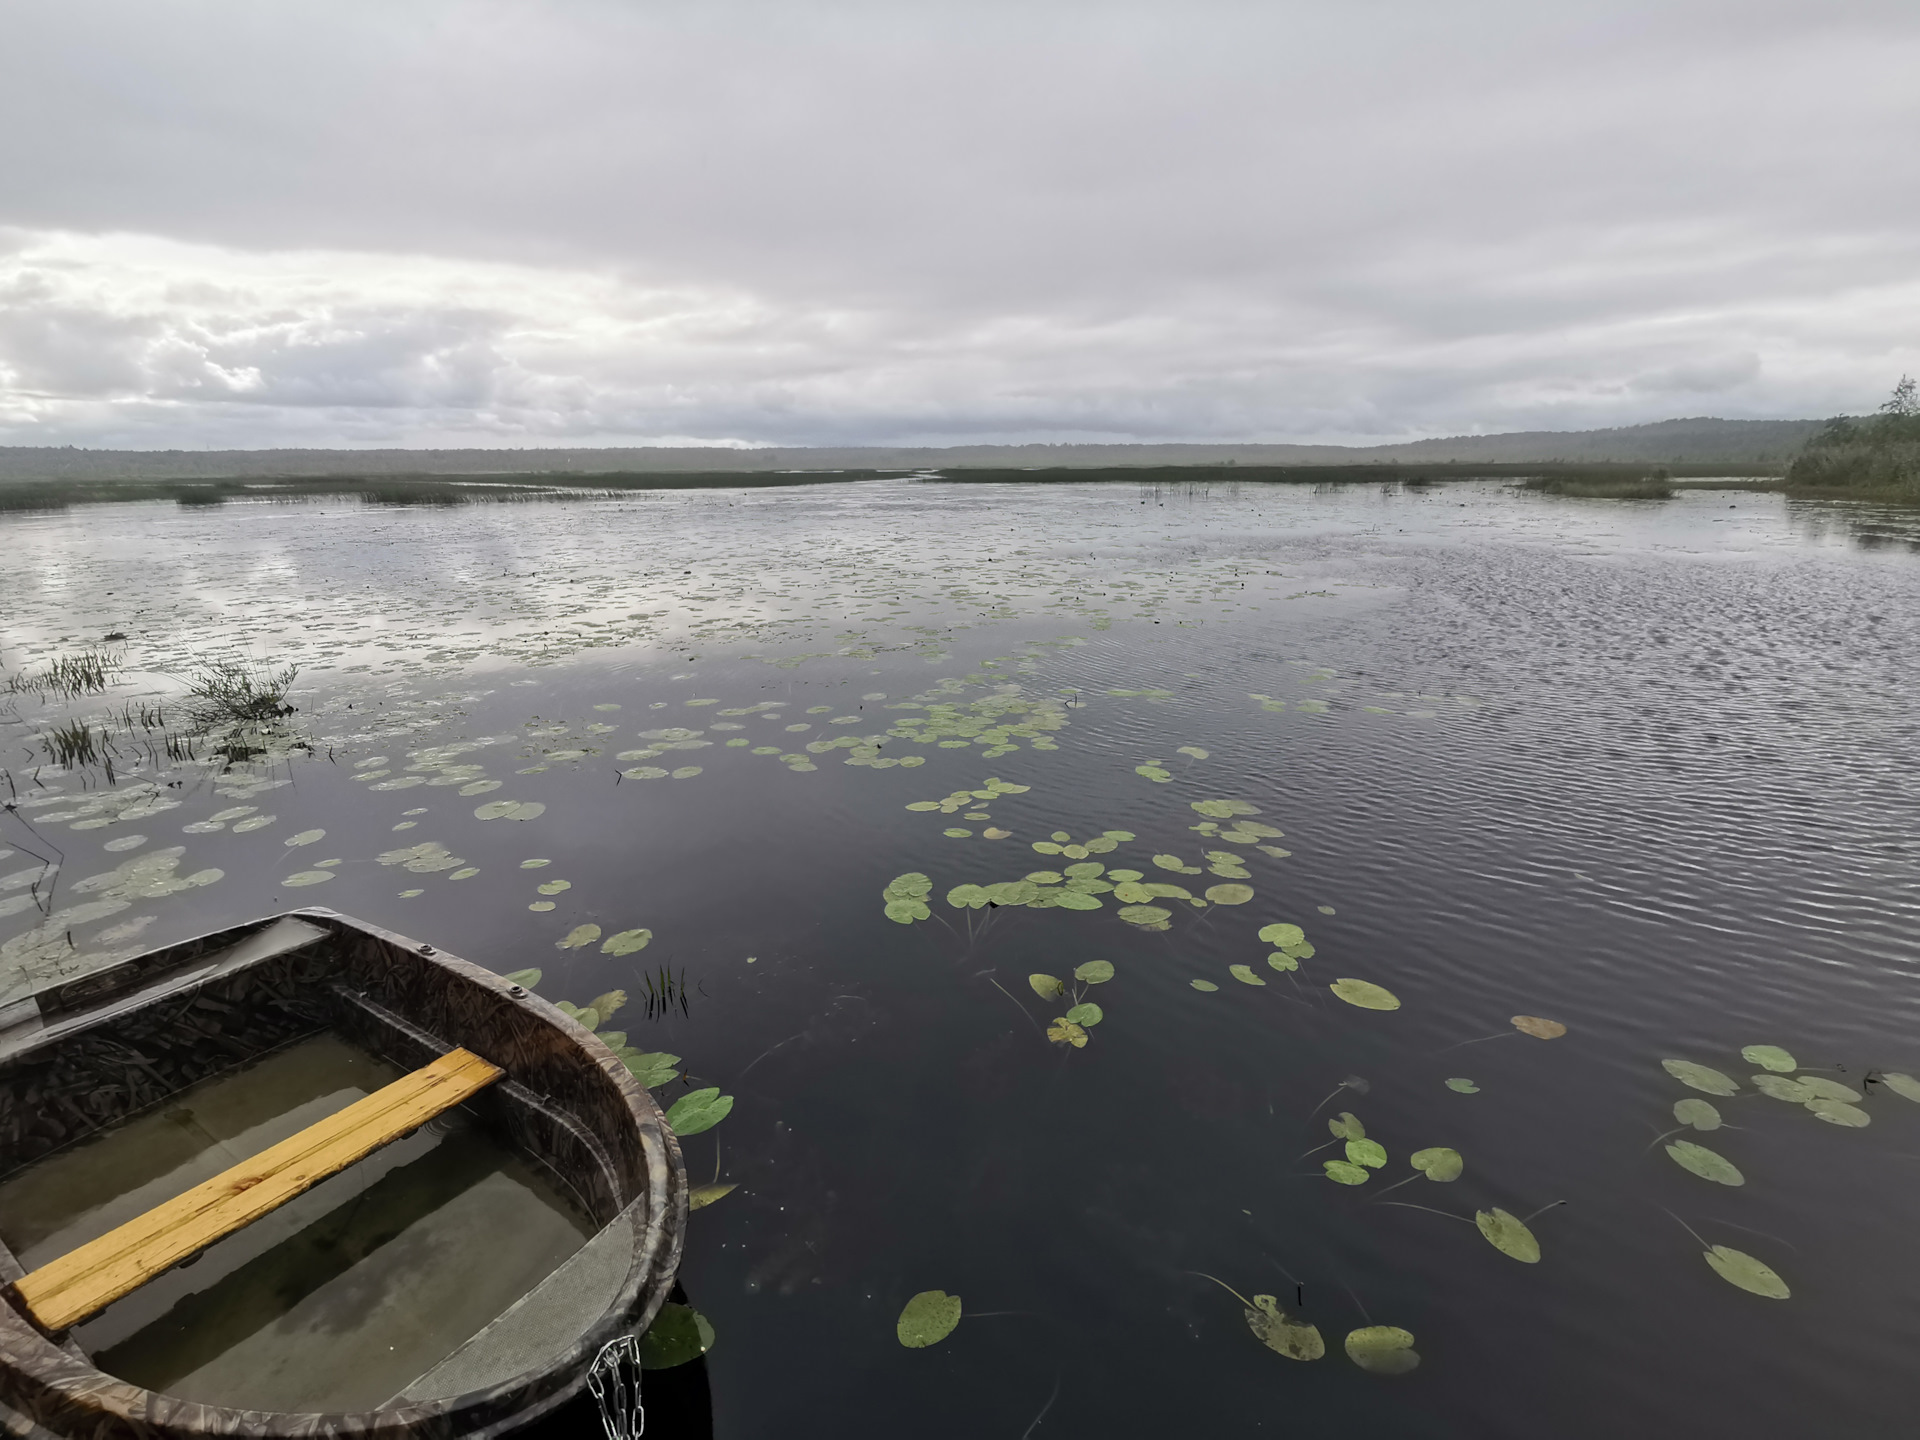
x: 1645, y: 770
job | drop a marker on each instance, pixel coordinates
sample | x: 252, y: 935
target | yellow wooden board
x: 92, y: 1277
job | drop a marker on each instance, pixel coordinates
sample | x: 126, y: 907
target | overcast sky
x: 914, y: 221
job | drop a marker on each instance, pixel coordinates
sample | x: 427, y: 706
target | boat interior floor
x: 342, y: 1298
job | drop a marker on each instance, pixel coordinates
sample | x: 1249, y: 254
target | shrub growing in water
x: 1878, y: 454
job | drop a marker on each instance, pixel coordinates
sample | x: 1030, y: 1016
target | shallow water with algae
x: 1389, y: 961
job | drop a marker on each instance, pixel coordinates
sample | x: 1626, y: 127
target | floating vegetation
x: 1508, y: 1235
x: 927, y: 1319
x: 1770, y: 1057
x: 1460, y: 1085
x: 1538, y: 1028
x: 1382, y: 1349
x: 678, y: 1335
x: 627, y: 942
x: 698, y: 1111
x: 1707, y: 1164
x: 510, y: 810
x: 1701, y: 1077
x: 1756, y: 1277
x: 1438, y: 1163
x: 1699, y: 1114
x: 578, y: 938
x: 1365, y: 994
x: 1273, y: 1327
x: 228, y: 693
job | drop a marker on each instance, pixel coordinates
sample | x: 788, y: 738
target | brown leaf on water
x: 1540, y: 1029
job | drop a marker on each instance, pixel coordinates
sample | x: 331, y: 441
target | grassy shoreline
x: 433, y: 489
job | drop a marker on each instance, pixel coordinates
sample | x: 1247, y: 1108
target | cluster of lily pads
x: 1082, y: 1015
x: 1820, y: 1095
x: 1378, y: 1349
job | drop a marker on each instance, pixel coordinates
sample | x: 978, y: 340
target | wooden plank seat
x: 91, y: 1277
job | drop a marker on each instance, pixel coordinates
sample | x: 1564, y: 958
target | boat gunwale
x: 69, y: 1397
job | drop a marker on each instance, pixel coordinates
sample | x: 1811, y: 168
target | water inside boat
x: 339, y: 1299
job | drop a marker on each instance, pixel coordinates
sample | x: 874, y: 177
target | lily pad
x: 1509, y: 1235
x: 1538, y: 1028
x: 699, y: 1110
x: 1781, y: 1087
x: 1701, y: 1077
x: 1370, y: 1153
x: 1438, y: 1163
x: 1076, y: 900
x: 1365, y: 994
x: 1460, y: 1085
x: 1770, y: 1057
x: 1382, y: 1349
x: 579, y: 936
x: 305, y: 837
x: 1233, y: 894
x: 1904, y: 1086
x: 1283, y: 962
x: 1736, y: 1267
x: 1346, y: 1126
x: 1282, y: 936
x: 1821, y: 1088
x: 1700, y: 1114
x: 1838, y: 1112
x: 1244, y: 974
x: 1345, y: 1172
x: 1707, y: 1164
x: 927, y: 1319
x: 679, y: 1334
x: 527, y: 979
x: 1279, y: 1332
x: 626, y: 942
x: 653, y: 1069
x: 1094, y: 972
x: 1066, y: 1032
x: 1207, y: 985
x: 1047, y: 987
x: 307, y: 877
x: 1145, y: 915
x: 1086, y: 1013
x: 704, y: 1195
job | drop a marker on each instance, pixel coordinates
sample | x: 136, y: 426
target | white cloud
x: 496, y: 223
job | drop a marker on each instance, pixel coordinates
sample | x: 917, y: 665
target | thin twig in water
x: 1543, y: 1210
x: 1024, y: 1434
x: 1017, y: 1005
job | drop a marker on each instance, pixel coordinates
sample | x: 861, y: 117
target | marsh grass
x: 229, y: 693
x: 69, y: 676
x: 422, y: 489
x: 1655, y: 486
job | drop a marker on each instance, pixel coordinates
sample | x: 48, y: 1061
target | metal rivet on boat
x: 518, y: 992
x: 426, y: 949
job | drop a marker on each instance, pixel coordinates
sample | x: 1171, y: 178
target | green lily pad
x: 307, y: 877
x: 1345, y: 1172
x: 1066, y: 1032
x: 554, y: 887
x: 1700, y: 1114
x: 1282, y: 936
x: 1145, y: 915
x: 1244, y: 974
x: 652, y: 1070
x: 1770, y: 1057
x: 527, y: 979
x: 1460, y: 1085
x: 1279, y: 1332
x: 1283, y: 962
x: 1838, y: 1112
x: 1904, y: 1086
x: 1224, y: 809
x: 1707, y: 1164
x: 1370, y: 1153
x: 1508, y: 1235
x: 1229, y: 894
x: 1094, y: 972
x: 905, y: 912
x: 679, y: 1334
x: 1076, y: 900
x: 1192, y: 750
x: 1047, y: 987
x: 1382, y: 1349
x: 1736, y: 1267
x: 1085, y: 1014
x: 1819, y: 1087
x: 580, y: 935
x: 1365, y: 994
x: 305, y: 837
x: 626, y: 942
x: 1207, y: 985
x: 1781, y: 1087
x: 1701, y: 1077
x: 1346, y: 1126
x: 1438, y: 1163
x: 702, y: 1196
x: 699, y: 1110
x: 927, y: 1319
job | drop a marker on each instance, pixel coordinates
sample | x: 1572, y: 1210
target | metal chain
x: 614, y: 1379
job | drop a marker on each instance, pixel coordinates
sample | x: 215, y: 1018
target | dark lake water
x: 1644, y: 770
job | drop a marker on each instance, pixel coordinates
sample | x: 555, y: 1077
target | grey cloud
x: 863, y: 221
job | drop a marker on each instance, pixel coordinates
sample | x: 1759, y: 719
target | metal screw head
x: 518, y: 992
x: 426, y: 949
